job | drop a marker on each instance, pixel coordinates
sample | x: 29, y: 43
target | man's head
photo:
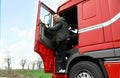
x: 56, y: 17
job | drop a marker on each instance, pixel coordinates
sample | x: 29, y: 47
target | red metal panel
x: 47, y: 57
x: 96, y: 47
x: 93, y: 20
x: 116, y: 34
x: 116, y: 44
x: 59, y: 75
x: 113, y: 69
x: 89, y: 9
x: 37, y: 26
x: 105, y: 10
x: 46, y: 54
x: 114, y: 8
x: 94, y: 36
x: 108, y: 34
x: 116, y: 30
x: 106, y: 17
x: 91, y: 37
x: 68, y: 4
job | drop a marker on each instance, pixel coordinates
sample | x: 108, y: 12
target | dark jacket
x: 61, y: 30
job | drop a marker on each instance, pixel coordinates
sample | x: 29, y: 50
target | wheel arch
x: 76, y: 57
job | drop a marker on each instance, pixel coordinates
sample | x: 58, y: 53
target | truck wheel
x: 85, y: 69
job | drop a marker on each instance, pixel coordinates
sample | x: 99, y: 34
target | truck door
x: 43, y: 37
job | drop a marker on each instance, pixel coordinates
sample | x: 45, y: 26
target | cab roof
x: 68, y: 4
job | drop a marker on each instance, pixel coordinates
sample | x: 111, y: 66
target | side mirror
x: 47, y: 19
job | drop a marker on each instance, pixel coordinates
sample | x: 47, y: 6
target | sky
x: 17, y: 30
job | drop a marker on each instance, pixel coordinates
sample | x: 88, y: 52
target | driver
x: 61, y: 38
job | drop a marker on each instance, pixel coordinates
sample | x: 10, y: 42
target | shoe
x: 61, y: 71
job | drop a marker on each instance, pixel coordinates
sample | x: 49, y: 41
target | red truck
x: 94, y: 52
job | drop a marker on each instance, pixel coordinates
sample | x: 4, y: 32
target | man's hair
x: 56, y: 14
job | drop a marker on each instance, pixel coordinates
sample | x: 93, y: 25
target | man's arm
x: 56, y: 26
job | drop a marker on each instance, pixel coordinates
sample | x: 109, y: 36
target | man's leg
x: 61, y: 55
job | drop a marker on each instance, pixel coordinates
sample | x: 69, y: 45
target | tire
x: 85, y: 69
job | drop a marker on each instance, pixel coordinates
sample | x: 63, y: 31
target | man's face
x: 56, y: 17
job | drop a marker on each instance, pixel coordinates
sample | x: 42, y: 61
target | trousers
x: 60, y: 54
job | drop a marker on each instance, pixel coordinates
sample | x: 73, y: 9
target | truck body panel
x: 46, y: 53
x: 113, y: 69
x: 98, y: 25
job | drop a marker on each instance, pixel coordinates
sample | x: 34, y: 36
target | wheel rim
x: 84, y: 74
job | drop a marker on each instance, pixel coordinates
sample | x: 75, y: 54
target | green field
x: 36, y: 73
x: 25, y: 74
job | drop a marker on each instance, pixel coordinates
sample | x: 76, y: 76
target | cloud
x: 24, y: 47
x: 17, y: 47
x: 18, y: 35
x: 25, y: 39
x: 24, y: 34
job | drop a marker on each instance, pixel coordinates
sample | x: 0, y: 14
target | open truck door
x: 43, y: 37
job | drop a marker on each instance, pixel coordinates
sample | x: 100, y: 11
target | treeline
x: 24, y: 63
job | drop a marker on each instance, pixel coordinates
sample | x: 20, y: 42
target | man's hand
x: 46, y: 26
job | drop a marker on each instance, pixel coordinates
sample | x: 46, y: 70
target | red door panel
x: 46, y: 54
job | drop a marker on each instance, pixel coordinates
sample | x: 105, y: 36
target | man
x: 62, y: 34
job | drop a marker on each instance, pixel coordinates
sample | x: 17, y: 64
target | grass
x: 25, y: 74
x: 35, y: 73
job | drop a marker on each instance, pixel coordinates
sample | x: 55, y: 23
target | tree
x: 33, y: 65
x: 23, y: 63
x: 28, y: 66
x: 39, y: 63
x: 8, y: 61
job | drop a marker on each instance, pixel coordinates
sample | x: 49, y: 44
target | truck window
x: 46, y: 17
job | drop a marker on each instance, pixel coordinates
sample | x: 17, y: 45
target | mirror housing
x: 47, y: 19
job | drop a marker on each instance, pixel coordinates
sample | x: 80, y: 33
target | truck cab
x: 94, y: 52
